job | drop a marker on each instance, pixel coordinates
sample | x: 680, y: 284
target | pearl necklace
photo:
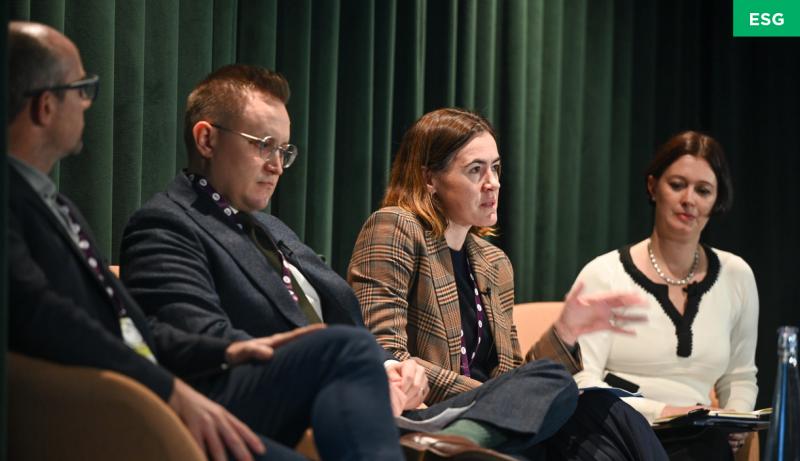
x: 670, y: 280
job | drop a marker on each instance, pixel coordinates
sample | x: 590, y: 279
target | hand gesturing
x: 586, y: 314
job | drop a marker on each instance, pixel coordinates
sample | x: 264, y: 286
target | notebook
x: 724, y: 420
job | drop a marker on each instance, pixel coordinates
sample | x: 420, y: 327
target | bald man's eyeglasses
x: 87, y: 88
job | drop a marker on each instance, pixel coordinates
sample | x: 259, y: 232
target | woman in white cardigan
x: 703, y: 316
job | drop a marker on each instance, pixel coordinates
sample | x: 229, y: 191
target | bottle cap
x: 787, y: 338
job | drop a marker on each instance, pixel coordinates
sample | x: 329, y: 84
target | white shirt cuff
x: 390, y: 363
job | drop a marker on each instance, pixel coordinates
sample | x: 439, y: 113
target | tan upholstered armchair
x: 66, y: 413
x: 59, y: 412
x: 533, y: 319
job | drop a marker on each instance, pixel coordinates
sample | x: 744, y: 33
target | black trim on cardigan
x: 695, y: 292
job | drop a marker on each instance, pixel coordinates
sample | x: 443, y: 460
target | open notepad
x: 729, y: 421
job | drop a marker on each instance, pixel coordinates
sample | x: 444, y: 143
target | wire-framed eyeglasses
x: 88, y: 88
x: 267, y: 147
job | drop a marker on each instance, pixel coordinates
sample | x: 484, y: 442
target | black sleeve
x: 188, y: 355
x: 48, y: 324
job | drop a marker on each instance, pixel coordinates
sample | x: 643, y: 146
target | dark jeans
x: 275, y: 451
x: 331, y: 380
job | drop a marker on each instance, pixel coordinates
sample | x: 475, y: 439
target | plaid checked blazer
x: 403, y: 278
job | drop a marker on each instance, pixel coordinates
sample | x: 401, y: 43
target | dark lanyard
x: 467, y: 362
x: 232, y: 214
x: 201, y: 184
x: 92, y: 259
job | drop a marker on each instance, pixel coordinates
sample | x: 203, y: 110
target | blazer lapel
x: 444, y: 285
x: 485, y: 273
x: 334, y: 308
x: 486, y: 277
x: 36, y: 203
x: 241, y: 249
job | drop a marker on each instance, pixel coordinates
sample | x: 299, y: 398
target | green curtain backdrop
x: 361, y: 72
x: 581, y: 93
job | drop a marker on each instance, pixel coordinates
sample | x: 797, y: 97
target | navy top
x: 486, y: 358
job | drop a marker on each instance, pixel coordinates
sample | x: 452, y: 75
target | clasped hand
x: 408, y: 385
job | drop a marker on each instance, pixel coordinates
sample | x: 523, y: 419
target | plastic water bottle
x: 783, y: 441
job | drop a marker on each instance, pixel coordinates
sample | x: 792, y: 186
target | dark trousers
x: 697, y: 445
x: 331, y: 380
x: 603, y: 427
x: 275, y: 451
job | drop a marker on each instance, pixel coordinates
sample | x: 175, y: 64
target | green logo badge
x: 766, y: 18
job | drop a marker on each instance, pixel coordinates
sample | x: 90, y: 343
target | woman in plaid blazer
x: 433, y: 289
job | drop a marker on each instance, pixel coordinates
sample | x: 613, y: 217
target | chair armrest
x: 533, y: 320
x: 80, y: 413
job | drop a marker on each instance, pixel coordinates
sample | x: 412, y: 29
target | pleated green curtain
x: 361, y: 72
x: 581, y: 92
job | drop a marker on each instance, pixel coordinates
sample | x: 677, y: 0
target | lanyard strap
x: 244, y: 222
x: 91, y: 257
x: 130, y: 334
x: 202, y: 185
x: 467, y: 362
